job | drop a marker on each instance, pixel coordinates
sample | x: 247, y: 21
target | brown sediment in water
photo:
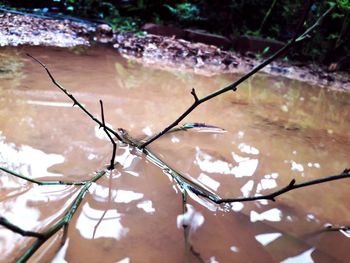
x: 271, y: 131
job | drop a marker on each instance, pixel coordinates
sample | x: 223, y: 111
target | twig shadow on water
x: 189, y: 249
x: 108, y: 204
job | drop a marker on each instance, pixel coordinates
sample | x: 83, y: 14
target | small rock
x: 104, y: 29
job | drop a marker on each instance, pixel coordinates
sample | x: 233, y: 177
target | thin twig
x: 331, y: 228
x: 193, y: 92
x: 201, y: 191
x: 111, y: 166
x: 75, y: 101
x: 180, y: 179
x: 64, y: 222
x: 267, y: 14
x: 183, y: 182
x: 39, y: 182
x: 291, y: 186
x: 4, y: 222
x: 233, y: 86
x: 345, y: 230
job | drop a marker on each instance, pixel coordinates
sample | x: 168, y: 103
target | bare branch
x: 184, y: 183
x: 111, y: 166
x: 291, y: 186
x: 75, y: 101
x: 4, y: 222
x: 341, y: 228
x: 345, y: 230
x: 233, y: 86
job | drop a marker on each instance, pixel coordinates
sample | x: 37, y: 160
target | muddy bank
x: 157, y: 51
x: 209, y: 60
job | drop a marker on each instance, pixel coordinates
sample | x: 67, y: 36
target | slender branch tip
x: 193, y: 92
x: 292, y: 183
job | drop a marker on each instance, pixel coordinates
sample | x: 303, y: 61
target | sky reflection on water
x: 137, y: 210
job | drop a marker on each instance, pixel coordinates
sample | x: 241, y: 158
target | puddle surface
x: 271, y: 131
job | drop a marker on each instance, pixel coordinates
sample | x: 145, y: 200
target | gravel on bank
x: 30, y: 30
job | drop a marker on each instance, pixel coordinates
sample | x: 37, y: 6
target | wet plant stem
x: 111, y: 166
x: 39, y: 182
x: 291, y: 186
x: 4, y: 222
x: 233, y: 86
x: 64, y: 222
x: 266, y: 16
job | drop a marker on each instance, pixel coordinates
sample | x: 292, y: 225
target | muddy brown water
x: 271, y: 131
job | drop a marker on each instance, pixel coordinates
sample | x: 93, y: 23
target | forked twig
x: 75, y: 101
x: 291, y: 186
x: 4, y: 222
x: 233, y: 86
x: 62, y: 223
x: 183, y: 182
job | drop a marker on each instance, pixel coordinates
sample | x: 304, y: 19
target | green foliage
x: 261, y: 54
x: 184, y: 11
x: 125, y: 24
x: 252, y: 33
x: 157, y: 19
x: 344, y: 4
x: 90, y: 8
